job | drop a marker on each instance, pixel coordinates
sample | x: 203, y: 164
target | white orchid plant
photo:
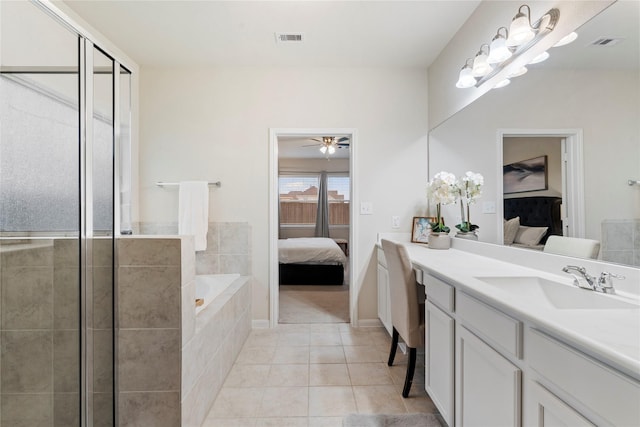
x: 442, y: 190
x: 469, y: 188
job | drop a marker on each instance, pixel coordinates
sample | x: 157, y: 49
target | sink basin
x: 556, y: 294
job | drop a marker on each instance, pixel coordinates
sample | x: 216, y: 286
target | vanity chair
x: 572, y: 246
x: 407, y: 314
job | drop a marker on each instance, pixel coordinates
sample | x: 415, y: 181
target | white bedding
x: 310, y: 250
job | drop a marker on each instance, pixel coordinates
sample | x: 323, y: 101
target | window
x: 299, y: 199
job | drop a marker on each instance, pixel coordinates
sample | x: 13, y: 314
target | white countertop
x: 611, y: 336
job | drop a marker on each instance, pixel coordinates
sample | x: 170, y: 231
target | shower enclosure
x: 64, y: 151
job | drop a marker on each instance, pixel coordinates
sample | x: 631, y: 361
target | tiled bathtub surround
x: 621, y: 241
x: 228, y: 246
x: 170, y: 365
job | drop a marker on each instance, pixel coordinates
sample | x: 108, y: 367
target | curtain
x: 322, y: 217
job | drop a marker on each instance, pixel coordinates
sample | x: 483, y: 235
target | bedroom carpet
x: 384, y: 420
x: 314, y: 304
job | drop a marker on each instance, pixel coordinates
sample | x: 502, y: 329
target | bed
x: 539, y: 218
x: 310, y: 261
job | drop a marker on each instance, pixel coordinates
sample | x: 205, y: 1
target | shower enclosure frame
x: 86, y: 70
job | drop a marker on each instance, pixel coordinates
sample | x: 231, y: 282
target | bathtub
x: 209, y: 286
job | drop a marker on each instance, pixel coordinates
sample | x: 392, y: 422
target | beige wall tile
x: 234, y: 238
x: 240, y: 264
x: 149, y: 297
x: 149, y: 359
x: 27, y: 410
x: 65, y: 410
x: 66, y: 296
x: 102, y: 410
x: 207, y: 263
x: 27, y: 297
x: 103, y: 282
x: 149, y: 251
x: 27, y: 360
x: 66, y: 252
x: 188, y: 311
x: 103, y: 360
x: 188, y: 260
x: 66, y: 361
x: 157, y: 409
x: 38, y: 253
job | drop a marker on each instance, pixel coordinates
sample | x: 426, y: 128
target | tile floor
x: 312, y: 375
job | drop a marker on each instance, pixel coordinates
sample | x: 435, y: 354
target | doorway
x: 311, y: 226
x: 561, y: 151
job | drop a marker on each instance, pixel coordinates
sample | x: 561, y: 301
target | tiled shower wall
x: 621, y: 241
x: 228, y: 246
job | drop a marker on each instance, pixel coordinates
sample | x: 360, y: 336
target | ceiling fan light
x: 542, y: 57
x: 567, y: 39
x: 323, y: 149
x: 498, y: 52
x: 332, y: 149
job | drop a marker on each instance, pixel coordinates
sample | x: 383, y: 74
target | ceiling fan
x: 329, y: 144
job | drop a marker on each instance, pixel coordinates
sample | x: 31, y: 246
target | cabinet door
x: 440, y: 355
x: 544, y: 409
x: 488, y: 386
x: 384, y: 309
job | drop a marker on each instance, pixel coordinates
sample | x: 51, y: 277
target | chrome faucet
x: 605, y: 284
x: 584, y: 281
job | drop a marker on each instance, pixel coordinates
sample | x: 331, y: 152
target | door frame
x: 274, y: 290
x: 573, y: 165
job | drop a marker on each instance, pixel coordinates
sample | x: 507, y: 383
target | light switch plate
x: 366, y: 208
x: 395, y: 221
x: 488, y: 207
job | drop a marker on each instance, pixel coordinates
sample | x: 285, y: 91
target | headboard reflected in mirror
x: 587, y: 95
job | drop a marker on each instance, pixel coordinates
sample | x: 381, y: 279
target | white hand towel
x: 193, y: 211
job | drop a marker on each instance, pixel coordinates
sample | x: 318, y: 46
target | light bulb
x: 520, y: 30
x: 503, y: 83
x: 323, y: 149
x: 466, y: 79
x: 566, y: 39
x: 332, y: 149
x: 480, y: 65
x: 498, y: 52
x: 542, y: 57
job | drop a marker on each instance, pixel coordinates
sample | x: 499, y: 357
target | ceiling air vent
x: 289, y: 37
x: 606, y: 41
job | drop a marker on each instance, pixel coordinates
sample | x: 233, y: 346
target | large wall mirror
x: 583, y: 101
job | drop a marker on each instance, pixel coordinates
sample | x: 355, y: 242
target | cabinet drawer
x: 598, y: 387
x: 439, y: 292
x: 381, y: 259
x: 502, y: 330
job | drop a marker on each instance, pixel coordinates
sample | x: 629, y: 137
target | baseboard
x: 259, y: 324
x: 369, y: 323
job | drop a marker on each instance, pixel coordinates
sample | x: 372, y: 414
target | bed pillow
x: 510, y: 230
x: 530, y: 236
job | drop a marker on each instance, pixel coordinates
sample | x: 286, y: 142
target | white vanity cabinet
x: 384, y: 299
x: 440, y: 346
x: 488, y: 385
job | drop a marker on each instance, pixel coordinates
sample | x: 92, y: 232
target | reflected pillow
x: 530, y: 236
x: 510, y: 230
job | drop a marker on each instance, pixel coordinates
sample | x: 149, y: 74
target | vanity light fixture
x: 542, y: 57
x: 567, y: 39
x: 507, y: 45
x: 498, y: 51
x: 521, y: 30
x: 466, y: 78
x: 481, y: 66
x: 503, y: 83
x: 519, y: 72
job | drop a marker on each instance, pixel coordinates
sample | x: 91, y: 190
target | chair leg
x: 394, y: 346
x: 411, y: 367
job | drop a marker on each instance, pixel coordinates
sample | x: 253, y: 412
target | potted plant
x: 442, y: 190
x: 469, y: 188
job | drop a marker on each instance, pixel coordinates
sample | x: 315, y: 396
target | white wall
x: 604, y: 104
x: 213, y: 123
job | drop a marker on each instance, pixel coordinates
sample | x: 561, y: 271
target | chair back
x: 572, y: 246
x: 405, y: 311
